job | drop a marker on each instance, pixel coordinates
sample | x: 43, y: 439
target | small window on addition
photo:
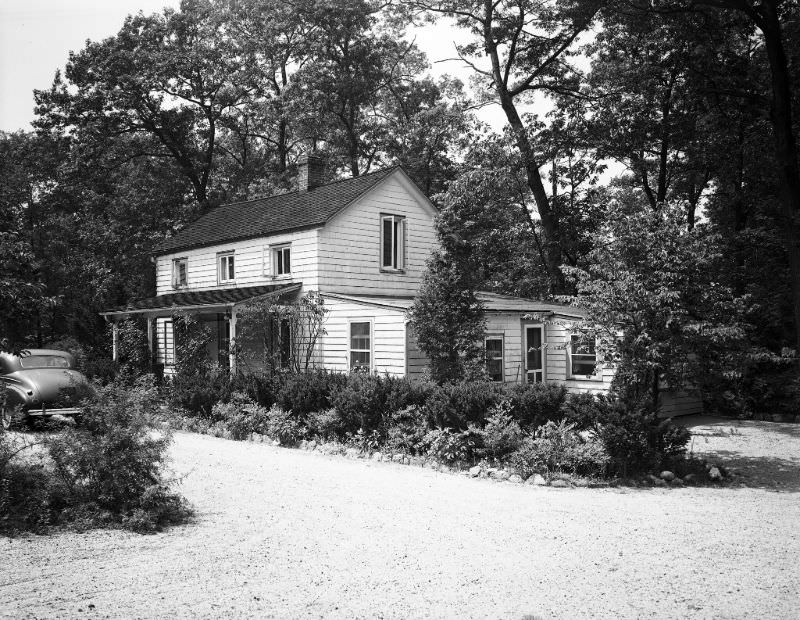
x: 225, y: 267
x: 494, y: 357
x: 392, y: 242
x: 583, y: 357
x: 282, y: 260
x: 179, y: 272
x: 360, y: 346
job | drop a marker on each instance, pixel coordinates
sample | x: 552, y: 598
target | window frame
x: 274, y: 252
x: 176, y: 284
x: 351, y: 350
x: 502, y: 358
x: 222, y: 256
x: 398, y: 243
x: 597, y: 375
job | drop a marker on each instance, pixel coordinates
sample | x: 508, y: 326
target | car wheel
x: 5, y: 417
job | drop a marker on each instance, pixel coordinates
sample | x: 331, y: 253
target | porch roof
x: 222, y: 298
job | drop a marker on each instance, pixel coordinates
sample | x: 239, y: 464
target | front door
x: 534, y: 354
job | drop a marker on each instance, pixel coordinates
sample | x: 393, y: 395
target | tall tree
x: 527, y: 44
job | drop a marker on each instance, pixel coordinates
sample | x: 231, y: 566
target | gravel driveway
x: 286, y: 533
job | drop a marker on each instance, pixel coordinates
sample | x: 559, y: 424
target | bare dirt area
x: 292, y: 534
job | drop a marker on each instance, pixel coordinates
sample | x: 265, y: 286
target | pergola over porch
x: 222, y: 301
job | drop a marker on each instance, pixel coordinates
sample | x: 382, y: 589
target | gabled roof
x: 199, y: 299
x: 272, y: 215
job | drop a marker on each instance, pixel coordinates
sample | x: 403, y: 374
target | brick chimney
x: 310, y: 171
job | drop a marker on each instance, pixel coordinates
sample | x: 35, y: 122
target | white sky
x: 36, y: 37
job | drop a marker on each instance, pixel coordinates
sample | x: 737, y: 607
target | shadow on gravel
x: 715, y: 426
x: 762, y: 472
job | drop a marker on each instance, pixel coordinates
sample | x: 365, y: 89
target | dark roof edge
x: 193, y: 246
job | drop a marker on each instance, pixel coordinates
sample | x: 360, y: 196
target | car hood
x: 47, y: 383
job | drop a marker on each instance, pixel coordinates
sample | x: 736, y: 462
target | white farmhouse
x: 362, y: 243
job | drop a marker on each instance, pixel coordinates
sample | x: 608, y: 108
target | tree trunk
x: 785, y: 149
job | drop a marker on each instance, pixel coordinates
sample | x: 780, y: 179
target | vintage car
x: 38, y: 383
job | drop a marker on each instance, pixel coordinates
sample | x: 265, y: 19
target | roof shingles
x: 268, y: 216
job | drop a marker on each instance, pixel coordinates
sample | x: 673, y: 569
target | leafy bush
x: 310, y: 391
x: 283, y: 426
x: 456, y: 405
x: 242, y: 416
x: 198, y: 391
x: 407, y: 429
x: 111, y: 467
x: 447, y: 445
x: 262, y: 388
x: 534, y: 404
x: 24, y: 488
x: 557, y: 447
x: 502, y: 434
x: 636, y: 439
x: 367, y: 401
x: 325, y: 424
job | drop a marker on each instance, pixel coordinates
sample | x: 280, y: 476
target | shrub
x: 501, y: 435
x: 367, y: 401
x: 242, y: 416
x: 283, y: 426
x: 111, y: 467
x: 325, y: 424
x: 407, y: 429
x: 447, y: 445
x: 636, y: 439
x: 198, y: 391
x: 262, y: 388
x: 557, y: 447
x: 310, y: 391
x: 456, y: 405
x: 534, y: 404
x: 24, y: 488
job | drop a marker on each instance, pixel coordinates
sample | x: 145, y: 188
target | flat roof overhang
x: 213, y: 300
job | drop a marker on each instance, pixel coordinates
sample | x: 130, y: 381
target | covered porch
x: 215, y: 309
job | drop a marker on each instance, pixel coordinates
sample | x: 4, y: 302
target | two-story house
x: 362, y: 243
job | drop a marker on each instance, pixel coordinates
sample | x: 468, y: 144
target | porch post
x: 150, y: 341
x: 115, y: 341
x: 232, y: 341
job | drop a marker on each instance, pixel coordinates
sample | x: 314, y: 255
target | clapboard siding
x: 349, y: 245
x: 388, y: 336
x: 511, y: 326
x: 251, y: 256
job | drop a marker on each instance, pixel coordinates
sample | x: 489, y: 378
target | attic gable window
x: 392, y: 242
x: 179, y: 272
x: 282, y: 260
x: 225, y: 267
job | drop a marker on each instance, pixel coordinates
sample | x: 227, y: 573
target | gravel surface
x: 286, y: 533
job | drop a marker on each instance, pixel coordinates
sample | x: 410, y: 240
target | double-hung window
x: 582, y: 357
x: 226, y: 272
x: 282, y: 260
x: 494, y: 357
x: 392, y: 242
x: 360, y: 345
x: 180, y: 274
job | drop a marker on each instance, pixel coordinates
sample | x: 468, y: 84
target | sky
x: 36, y: 37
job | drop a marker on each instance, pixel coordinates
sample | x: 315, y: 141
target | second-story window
x: 282, y: 260
x: 226, y: 272
x: 392, y: 241
x: 180, y: 274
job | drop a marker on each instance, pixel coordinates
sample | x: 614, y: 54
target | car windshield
x: 44, y: 361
